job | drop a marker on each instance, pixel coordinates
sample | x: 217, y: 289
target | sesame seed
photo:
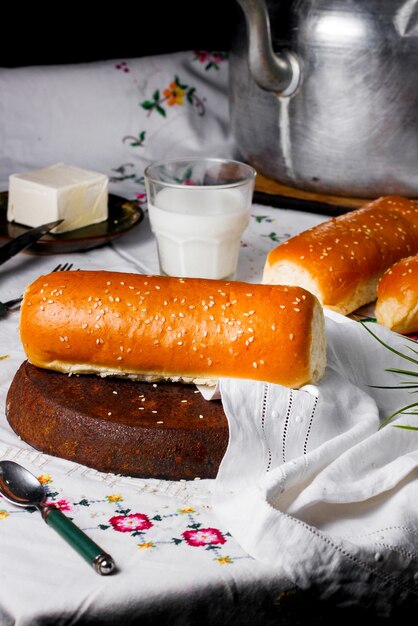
x: 297, y: 310
x: 291, y: 336
x: 84, y: 325
x: 255, y: 364
x: 115, y: 392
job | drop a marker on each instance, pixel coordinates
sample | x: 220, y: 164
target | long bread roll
x: 397, y: 297
x: 155, y: 327
x: 342, y: 259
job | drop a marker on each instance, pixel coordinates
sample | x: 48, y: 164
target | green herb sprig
x: 410, y: 409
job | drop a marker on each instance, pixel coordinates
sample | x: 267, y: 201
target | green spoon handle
x: 90, y: 551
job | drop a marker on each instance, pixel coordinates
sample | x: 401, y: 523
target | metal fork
x: 13, y: 305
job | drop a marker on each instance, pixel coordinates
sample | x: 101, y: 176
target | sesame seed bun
x: 342, y: 259
x: 397, y: 297
x: 158, y: 327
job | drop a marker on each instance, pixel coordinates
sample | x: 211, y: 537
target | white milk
x: 198, y: 230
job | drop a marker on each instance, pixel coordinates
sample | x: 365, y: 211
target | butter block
x: 78, y: 196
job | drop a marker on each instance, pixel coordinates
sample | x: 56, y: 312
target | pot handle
x: 271, y: 72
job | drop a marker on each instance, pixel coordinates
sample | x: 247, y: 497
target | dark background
x: 75, y: 33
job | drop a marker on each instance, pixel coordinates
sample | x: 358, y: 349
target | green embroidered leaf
x: 83, y: 502
x: 156, y: 95
x: 137, y: 532
x: 176, y: 541
x: 147, y: 104
x: 52, y: 494
x: 194, y: 526
x: 260, y: 218
x: 124, y: 511
x: 160, y: 110
x: 157, y: 518
x: 142, y: 135
x: 178, y: 83
x: 103, y: 526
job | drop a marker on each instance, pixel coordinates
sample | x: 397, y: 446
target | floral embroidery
x: 130, y: 522
x: 146, y: 545
x: 45, y: 479
x: 114, y: 497
x: 136, y: 142
x: 224, y: 560
x: 262, y: 218
x: 62, y: 505
x: 188, y: 509
x: 122, y: 66
x: 174, y: 94
x: 153, y: 530
x: 204, y: 537
x: 212, y: 59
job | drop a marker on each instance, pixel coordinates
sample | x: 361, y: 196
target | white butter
x: 78, y: 196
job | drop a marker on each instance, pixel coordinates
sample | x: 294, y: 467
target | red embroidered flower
x: 128, y: 523
x: 203, y: 537
x: 62, y: 505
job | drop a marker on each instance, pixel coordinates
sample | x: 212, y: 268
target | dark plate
x: 123, y: 215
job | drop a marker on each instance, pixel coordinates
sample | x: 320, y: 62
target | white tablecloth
x: 180, y: 560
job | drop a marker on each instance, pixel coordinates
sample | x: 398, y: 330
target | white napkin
x: 310, y: 485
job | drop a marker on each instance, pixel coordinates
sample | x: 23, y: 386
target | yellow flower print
x: 3, y: 514
x: 187, y: 509
x: 45, y: 479
x: 114, y: 497
x: 224, y: 560
x: 174, y: 94
x: 146, y: 545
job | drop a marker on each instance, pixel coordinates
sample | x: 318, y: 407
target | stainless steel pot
x: 326, y: 99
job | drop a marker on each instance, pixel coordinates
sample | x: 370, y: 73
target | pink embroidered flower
x: 129, y: 523
x: 203, y: 537
x: 123, y: 66
x: 141, y: 197
x: 62, y: 505
x: 202, y: 55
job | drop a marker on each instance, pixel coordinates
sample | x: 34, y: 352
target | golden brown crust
x: 397, y: 296
x: 114, y: 323
x: 342, y: 259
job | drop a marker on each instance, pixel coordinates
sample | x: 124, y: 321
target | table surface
x: 175, y: 561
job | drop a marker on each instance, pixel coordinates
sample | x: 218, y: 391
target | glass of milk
x: 198, y: 209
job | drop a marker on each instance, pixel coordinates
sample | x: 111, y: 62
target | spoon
x: 20, y: 487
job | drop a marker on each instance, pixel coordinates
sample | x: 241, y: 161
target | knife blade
x: 25, y: 240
